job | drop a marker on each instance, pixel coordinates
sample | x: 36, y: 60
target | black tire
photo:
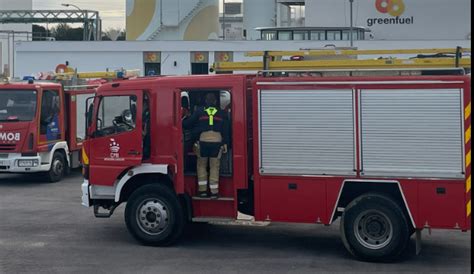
x: 58, y: 168
x: 375, y: 228
x: 162, y: 229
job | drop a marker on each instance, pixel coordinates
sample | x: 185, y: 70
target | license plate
x: 4, y: 163
x: 25, y: 163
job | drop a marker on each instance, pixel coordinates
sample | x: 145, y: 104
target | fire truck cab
x: 388, y: 155
x: 42, y: 128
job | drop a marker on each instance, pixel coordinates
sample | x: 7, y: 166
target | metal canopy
x: 89, y: 18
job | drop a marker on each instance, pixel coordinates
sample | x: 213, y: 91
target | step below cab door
x: 116, y: 138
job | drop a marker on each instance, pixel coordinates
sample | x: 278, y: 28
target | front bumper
x: 10, y: 163
x: 96, y: 192
x: 85, y: 194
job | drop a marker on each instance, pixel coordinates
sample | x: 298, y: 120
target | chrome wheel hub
x: 373, y: 229
x: 58, y: 167
x: 152, y: 216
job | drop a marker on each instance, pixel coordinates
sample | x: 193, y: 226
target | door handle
x: 133, y: 152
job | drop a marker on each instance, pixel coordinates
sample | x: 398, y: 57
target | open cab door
x: 116, y: 141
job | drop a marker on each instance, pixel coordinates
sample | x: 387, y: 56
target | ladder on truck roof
x: 334, y: 61
x: 71, y: 79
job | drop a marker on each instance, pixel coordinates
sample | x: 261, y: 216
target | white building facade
x: 172, y: 57
x: 187, y: 46
x: 387, y: 19
x: 397, y: 19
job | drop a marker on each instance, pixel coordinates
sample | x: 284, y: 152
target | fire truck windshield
x: 17, y: 105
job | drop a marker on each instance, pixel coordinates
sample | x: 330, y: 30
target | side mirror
x: 99, y: 123
x: 89, y: 113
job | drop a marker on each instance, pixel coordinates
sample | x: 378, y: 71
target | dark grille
x: 7, y: 147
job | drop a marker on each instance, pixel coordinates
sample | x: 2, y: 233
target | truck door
x: 116, y: 143
x: 51, y: 119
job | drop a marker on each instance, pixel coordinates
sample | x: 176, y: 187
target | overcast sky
x: 112, y: 12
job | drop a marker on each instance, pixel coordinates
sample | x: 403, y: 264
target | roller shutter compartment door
x: 306, y: 132
x: 412, y: 133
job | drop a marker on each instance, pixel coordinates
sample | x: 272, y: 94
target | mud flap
x: 418, y: 241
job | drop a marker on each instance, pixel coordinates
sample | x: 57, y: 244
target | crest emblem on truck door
x: 114, y: 149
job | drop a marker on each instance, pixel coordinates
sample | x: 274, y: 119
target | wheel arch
x: 64, y: 153
x: 351, y: 189
x: 61, y: 147
x: 146, y: 175
x: 140, y: 176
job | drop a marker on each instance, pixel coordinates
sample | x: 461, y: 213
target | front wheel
x: 58, y: 168
x: 374, y: 228
x: 154, y: 215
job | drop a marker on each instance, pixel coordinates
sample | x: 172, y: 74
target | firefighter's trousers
x: 209, y: 151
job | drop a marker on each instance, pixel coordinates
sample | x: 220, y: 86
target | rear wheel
x: 58, y: 168
x: 154, y: 215
x: 374, y: 228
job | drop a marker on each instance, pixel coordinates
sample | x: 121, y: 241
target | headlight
x: 28, y: 163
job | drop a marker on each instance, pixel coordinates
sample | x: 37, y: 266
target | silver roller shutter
x: 416, y: 133
x: 306, y: 132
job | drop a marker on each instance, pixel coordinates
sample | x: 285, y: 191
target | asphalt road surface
x: 44, y: 229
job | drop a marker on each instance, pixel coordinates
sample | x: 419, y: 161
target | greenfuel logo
x: 394, y: 8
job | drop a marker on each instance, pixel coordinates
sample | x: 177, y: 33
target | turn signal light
x: 85, y: 171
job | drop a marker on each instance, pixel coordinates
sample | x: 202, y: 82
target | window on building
x: 269, y: 35
x: 333, y: 35
x: 300, y: 35
x: 285, y: 35
x: 318, y: 35
x: 346, y: 35
x: 152, y: 63
x: 233, y: 8
x: 199, y: 68
x: 152, y: 69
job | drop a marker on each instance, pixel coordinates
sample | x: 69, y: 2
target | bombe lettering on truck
x: 9, y: 136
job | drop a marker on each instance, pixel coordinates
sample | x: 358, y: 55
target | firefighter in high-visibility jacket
x: 210, y: 130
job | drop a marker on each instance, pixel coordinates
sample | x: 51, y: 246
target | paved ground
x: 44, y: 229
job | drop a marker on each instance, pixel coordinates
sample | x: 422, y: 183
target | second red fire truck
x: 42, y: 128
x: 42, y: 123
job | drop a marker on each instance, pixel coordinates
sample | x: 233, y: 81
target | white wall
x: 31, y: 63
x: 258, y: 13
x: 432, y: 19
x: 182, y: 59
x: 34, y: 57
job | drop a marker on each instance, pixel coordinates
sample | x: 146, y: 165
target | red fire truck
x: 387, y: 155
x: 42, y: 127
x: 42, y: 123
